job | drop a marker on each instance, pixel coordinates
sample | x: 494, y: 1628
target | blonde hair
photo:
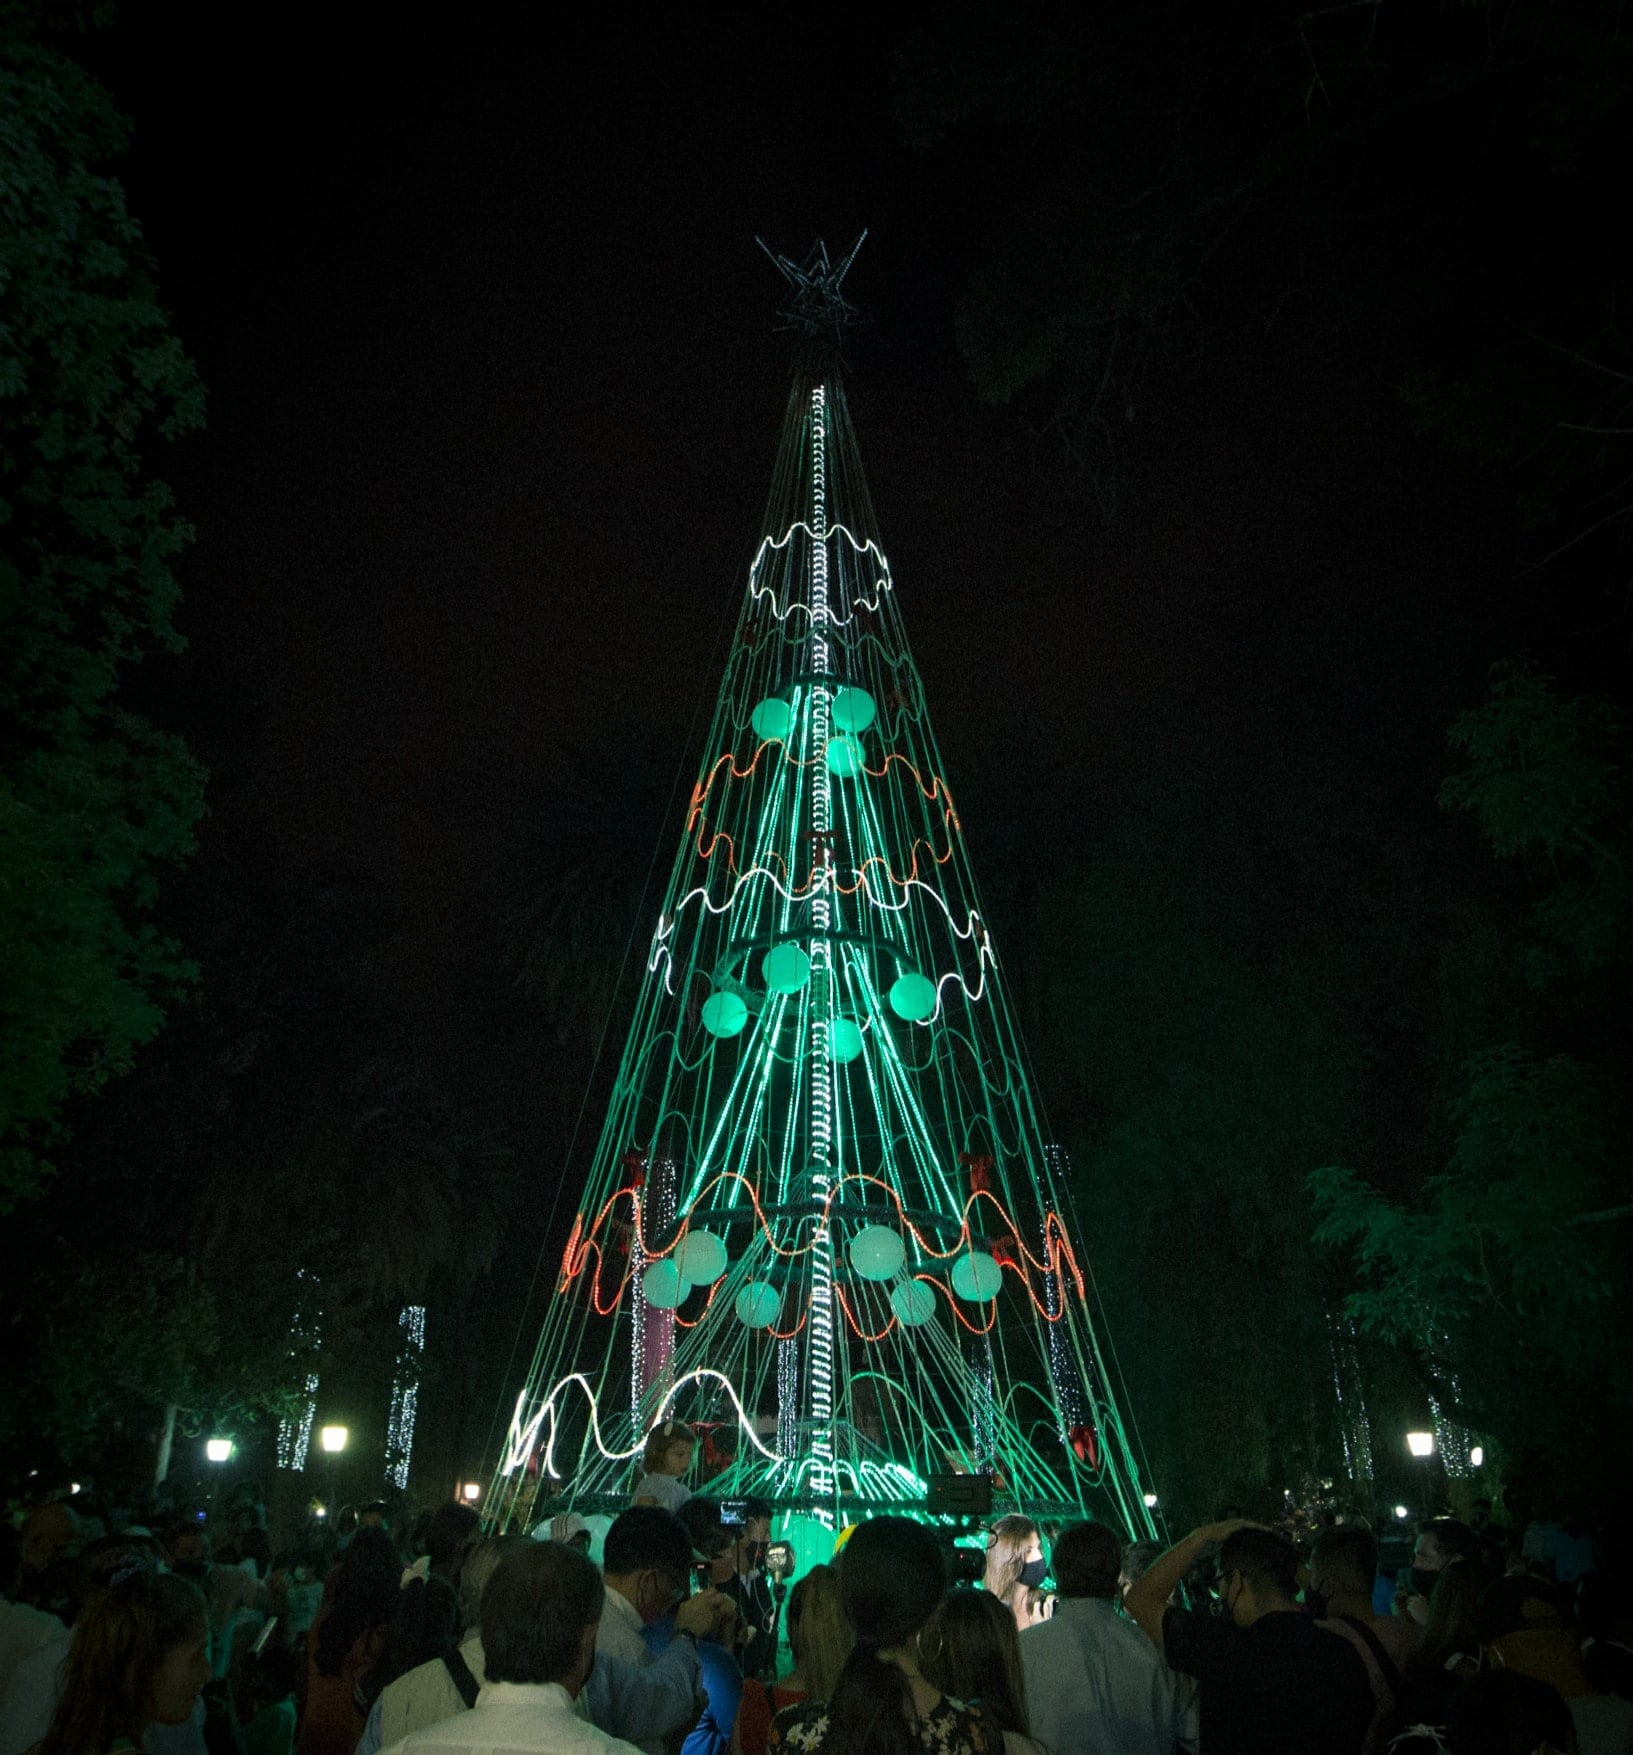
x: 818, y: 1634
x: 1006, y: 1554
x: 658, y: 1441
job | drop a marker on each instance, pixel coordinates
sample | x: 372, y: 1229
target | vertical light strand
x: 1068, y: 1401
x: 821, y: 1368
x: 787, y: 1398
x: 305, y: 1338
x: 659, y: 1328
x: 637, y: 1324
x: 405, y: 1394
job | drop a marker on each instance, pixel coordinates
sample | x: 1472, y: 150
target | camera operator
x: 740, y: 1573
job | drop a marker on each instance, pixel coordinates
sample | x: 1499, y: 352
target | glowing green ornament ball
x: 757, y: 1305
x: 844, y: 1040
x: 844, y: 757
x: 786, y: 968
x: 913, y: 997
x: 724, y: 1014
x: 701, y: 1258
x: 977, y: 1278
x: 662, y: 1285
x: 772, y: 720
x: 914, y: 1303
x: 853, y: 710
x: 876, y: 1252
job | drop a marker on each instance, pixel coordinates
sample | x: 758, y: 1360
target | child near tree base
x: 670, y: 1447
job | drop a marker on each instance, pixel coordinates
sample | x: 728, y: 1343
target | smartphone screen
x: 733, y: 1513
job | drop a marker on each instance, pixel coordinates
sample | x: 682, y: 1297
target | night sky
x: 494, y: 395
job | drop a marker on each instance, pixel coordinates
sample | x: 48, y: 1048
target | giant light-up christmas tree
x: 823, y: 1219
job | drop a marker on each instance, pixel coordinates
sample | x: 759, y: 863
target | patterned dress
x: 946, y: 1729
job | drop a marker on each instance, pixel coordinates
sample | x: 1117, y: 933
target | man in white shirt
x: 1095, y: 1685
x: 540, y: 1612
x: 648, y: 1560
x: 651, y: 1700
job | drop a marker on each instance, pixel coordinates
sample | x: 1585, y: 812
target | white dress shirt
x: 1095, y: 1685
x: 619, y: 1634
x: 514, y: 1718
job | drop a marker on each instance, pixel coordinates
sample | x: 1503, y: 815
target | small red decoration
x: 1084, y: 1446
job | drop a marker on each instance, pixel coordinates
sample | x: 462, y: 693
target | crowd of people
x: 670, y: 1628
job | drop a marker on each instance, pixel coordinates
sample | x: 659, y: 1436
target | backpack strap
x: 1387, y: 1666
x: 464, y: 1676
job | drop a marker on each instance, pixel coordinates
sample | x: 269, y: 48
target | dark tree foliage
x: 1184, y: 226
x: 1506, y: 1277
x: 95, y: 801
x: 1412, y: 184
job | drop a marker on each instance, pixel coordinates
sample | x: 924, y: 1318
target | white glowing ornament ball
x: 786, y: 968
x: 662, y: 1286
x: 701, y: 1258
x: 844, y: 757
x: 757, y: 1304
x: 977, y: 1278
x: 877, y: 1252
x: 913, y: 997
x: 724, y: 1014
x: 853, y: 709
x: 914, y: 1303
x: 772, y: 720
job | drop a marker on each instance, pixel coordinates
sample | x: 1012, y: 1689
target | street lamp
x: 332, y: 1440
x: 218, y: 1450
x: 1477, y: 1456
x: 1402, y: 1513
x: 471, y: 1492
x: 1422, y: 1447
x: 1151, y: 1502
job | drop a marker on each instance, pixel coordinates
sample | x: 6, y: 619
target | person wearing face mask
x: 1343, y: 1569
x: 1092, y: 1680
x: 648, y: 1559
x: 1270, y: 1681
x: 1015, y: 1565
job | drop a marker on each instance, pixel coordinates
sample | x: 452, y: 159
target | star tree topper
x: 819, y: 309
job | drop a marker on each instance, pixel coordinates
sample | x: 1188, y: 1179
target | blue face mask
x: 1034, y: 1572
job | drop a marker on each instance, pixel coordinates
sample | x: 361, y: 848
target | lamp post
x: 332, y: 1440
x: 470, y: 1492
x: 1422, y: 1446
x: 217, y: 1450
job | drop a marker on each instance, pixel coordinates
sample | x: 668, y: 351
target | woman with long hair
x: 141, y: 1655
x: 1015, y: 1564
x: 970, y: 1649
x: 819, y: 1636
x: 891, y: 1576
x: 1448, y: 1654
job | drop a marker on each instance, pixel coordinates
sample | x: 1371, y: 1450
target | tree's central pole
x: 824, y: 1482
